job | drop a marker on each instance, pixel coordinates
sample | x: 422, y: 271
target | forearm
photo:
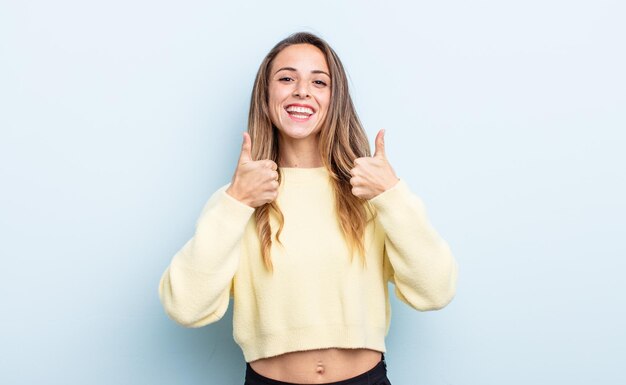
x: 195, y: 287
x: 424, y: 270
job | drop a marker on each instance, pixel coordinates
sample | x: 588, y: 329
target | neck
x: 299, y: 153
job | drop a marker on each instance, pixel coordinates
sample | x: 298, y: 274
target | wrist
x: 231, y: 191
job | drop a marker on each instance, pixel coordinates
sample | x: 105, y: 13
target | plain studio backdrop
x: 120, y: 118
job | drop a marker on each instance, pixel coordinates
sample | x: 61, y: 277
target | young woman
x: 308, y: 233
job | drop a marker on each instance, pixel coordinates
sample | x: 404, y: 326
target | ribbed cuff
x: 386, y: 199
x: 236, y: 206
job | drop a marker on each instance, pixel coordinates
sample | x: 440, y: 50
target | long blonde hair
x: 342, y: 140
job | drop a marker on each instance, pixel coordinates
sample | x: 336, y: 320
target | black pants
x: 375, y: 376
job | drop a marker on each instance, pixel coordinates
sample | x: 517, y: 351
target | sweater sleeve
x: 417, y: 260
x: 195, y: 288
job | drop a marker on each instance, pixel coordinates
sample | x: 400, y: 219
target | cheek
x: 274, y: 102
x: 278, y: 95
x: 271, y: 98
x: 325, y: 102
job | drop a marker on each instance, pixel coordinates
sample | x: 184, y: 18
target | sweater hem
x: 313, y: 337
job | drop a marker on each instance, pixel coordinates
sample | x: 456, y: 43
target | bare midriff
x: 317, y: 366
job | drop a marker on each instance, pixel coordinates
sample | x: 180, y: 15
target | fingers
x: 256, y: 182
x: 271, y: 164
x: 380, y: 144
x: 246, y: 149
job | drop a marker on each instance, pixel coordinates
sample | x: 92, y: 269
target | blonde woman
x: 308, y: 233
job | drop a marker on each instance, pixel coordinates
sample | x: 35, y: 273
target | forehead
x: 302, y: 57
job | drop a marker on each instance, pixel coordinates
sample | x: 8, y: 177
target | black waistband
x: 377, y: 373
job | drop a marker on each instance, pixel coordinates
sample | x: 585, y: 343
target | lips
x: 299, y: 118
x: 299, y: 112
x: 305, y: 106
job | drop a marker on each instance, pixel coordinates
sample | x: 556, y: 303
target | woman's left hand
x: 373, y: 175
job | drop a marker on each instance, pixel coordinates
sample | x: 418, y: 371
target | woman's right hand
x: 255, y: 182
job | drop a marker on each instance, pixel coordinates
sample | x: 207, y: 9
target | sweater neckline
x: 303, y: 173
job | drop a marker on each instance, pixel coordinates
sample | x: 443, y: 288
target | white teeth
x: 305, y: 110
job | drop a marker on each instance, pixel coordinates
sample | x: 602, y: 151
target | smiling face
x: 299, y: 91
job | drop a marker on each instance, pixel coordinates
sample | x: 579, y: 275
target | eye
x: 286, y: 78
x: 320, y: 82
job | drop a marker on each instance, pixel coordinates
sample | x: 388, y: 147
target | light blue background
x: 120, y: 118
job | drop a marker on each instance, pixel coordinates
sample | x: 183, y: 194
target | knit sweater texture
x: 316, y: 296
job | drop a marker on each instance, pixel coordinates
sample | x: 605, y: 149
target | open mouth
x: 299, y: 113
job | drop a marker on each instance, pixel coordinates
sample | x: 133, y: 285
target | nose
x: 301, y: 90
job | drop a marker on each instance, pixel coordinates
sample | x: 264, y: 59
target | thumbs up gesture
x: 255, y: 182
x: 373, y: 175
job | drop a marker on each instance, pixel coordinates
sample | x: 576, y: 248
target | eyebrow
x: 294, y: 70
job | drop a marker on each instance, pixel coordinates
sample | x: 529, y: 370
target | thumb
x: 380, y: 144
x: 246, y: 149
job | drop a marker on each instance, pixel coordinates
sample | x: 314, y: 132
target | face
x: 299, y: 91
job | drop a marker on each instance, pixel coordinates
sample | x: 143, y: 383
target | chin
x: 298, y: 132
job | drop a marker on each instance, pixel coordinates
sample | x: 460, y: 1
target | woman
x: 280, y: 238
